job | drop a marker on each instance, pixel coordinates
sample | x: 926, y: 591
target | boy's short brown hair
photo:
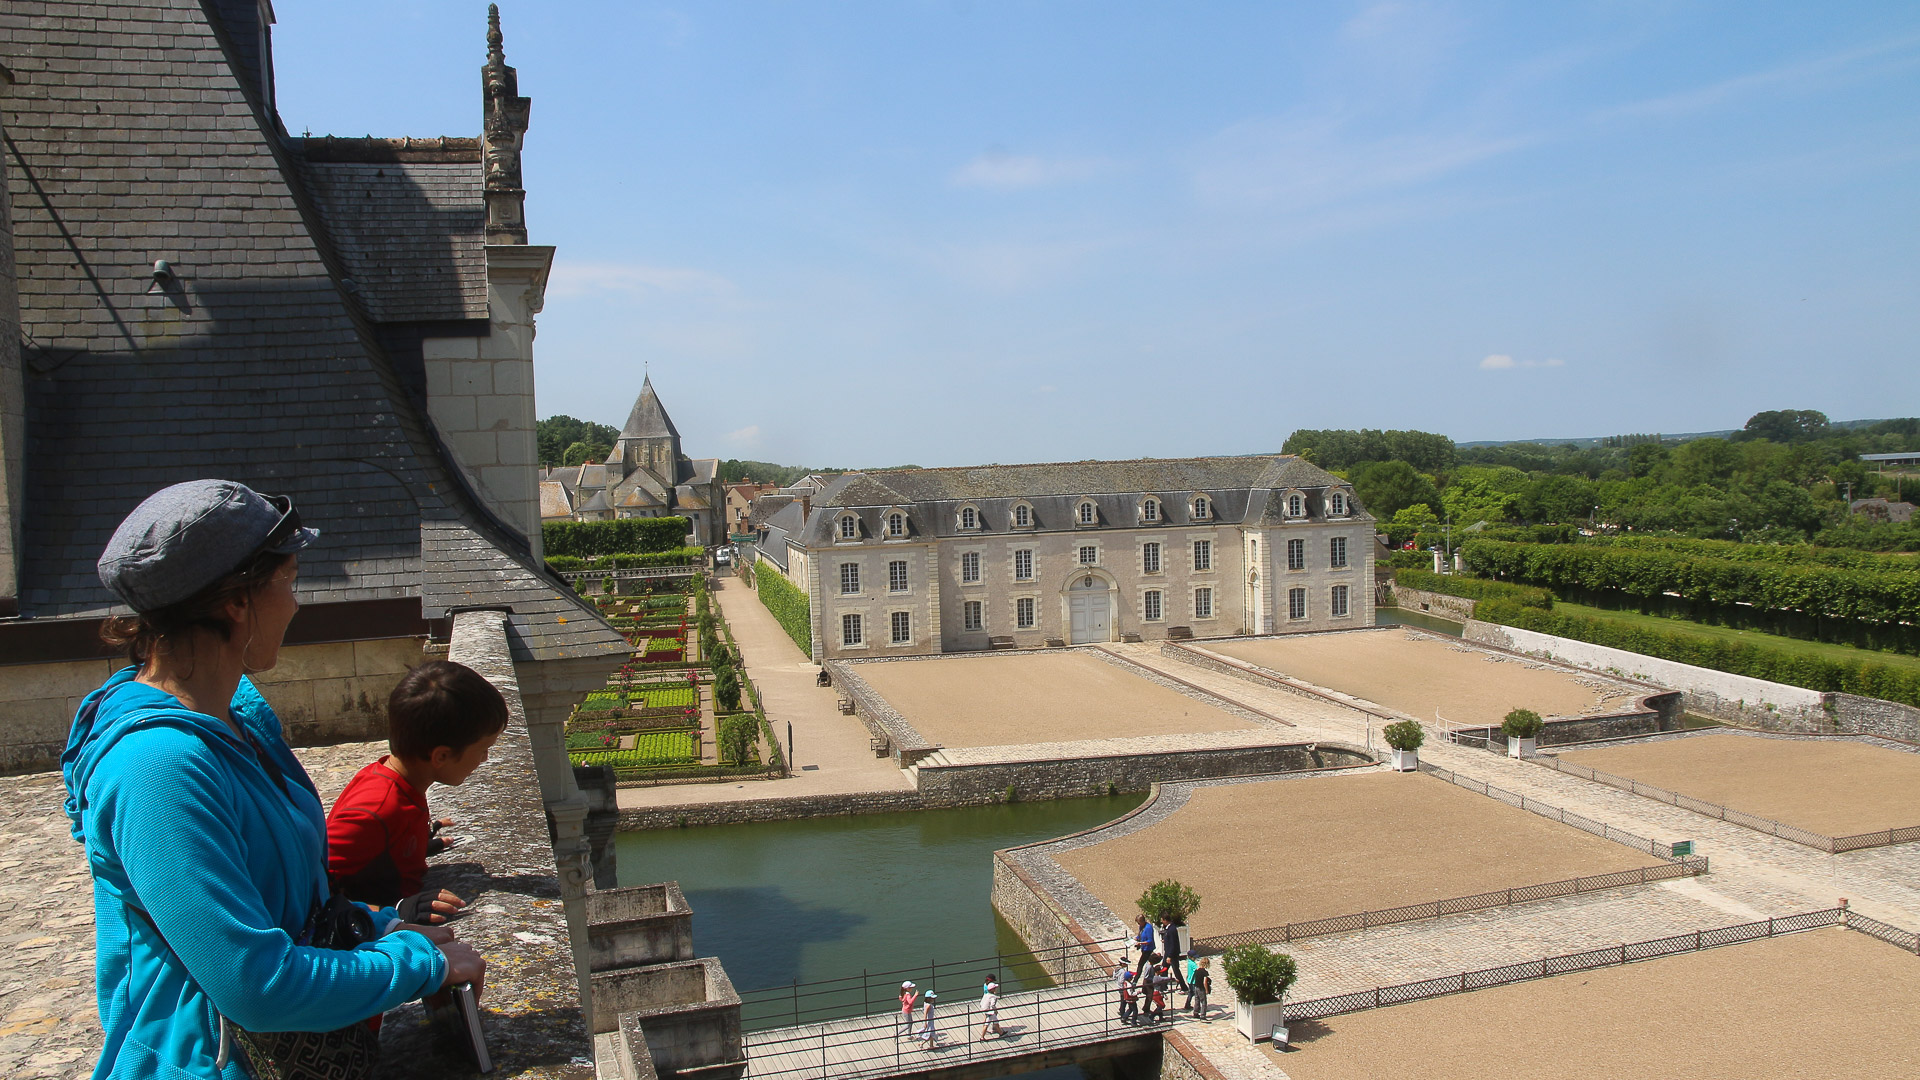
x: 441, y: 703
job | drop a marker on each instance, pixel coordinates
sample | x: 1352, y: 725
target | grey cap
x: 186, y: 537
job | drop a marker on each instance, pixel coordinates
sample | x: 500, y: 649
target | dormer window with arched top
x: 969, y: 518
x: 1087, y: 513
x: 1296, y: 505
x: 1023, y: 516
x: 1337, y: 504
x: 1150, y: 511
x: 849, y: 527
x: 896, y: 524
x: 1202, y: 508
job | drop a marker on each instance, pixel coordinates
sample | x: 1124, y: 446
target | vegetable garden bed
x: 652, y: 749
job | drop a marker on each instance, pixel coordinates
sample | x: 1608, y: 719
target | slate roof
x: 137, y: 141
x: 409, y: 223
x: 649, y: 419
x: 1239, y: 491
x: 554, y: 501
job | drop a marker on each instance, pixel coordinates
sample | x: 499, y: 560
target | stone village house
x: 186, y: 290
x: 920, y: 561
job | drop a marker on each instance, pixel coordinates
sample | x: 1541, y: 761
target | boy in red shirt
x: 441, y: 721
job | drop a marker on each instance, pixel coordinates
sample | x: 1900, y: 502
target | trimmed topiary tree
x: 736, y: 738
x: 726, y: 688
x: 1522, y: 724
x: 1404, y: 735
x: 1168, y: 901
x: 1256, y: 975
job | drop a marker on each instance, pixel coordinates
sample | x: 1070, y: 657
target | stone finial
x: 503, y: 132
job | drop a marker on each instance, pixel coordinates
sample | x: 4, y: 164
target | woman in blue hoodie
x: 206, y: 839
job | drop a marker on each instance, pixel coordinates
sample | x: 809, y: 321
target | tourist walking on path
x: 1187, y: 967
x: 1143, y: 942
x: 1157, y: 992
x: 206, y: 838
x: 1170, y: 948
x: 990, y: 1009
x: 1129, y: 1006
x: 1202, y: 983
x: 909, y: 997
x: 926, y: 1033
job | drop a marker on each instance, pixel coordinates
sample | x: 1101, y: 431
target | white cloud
x: 749, y: 434
x: 588, y: 278
x: 1000, y: 171
x: 1503, y: 362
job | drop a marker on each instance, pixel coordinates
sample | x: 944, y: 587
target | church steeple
x: 649, y: 441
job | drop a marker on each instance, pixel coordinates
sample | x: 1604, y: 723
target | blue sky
x: 858, y: 234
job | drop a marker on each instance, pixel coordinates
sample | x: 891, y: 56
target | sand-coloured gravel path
x: 1837, y: 788
x: 1037, y: 697
x: 1282, y: 851
x: 1826, y: 1003
x: 1417, y: 675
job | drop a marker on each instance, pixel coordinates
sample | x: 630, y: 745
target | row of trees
x: 563, y: 440
x: 1748, y: 487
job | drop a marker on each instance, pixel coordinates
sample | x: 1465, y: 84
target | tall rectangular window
x: 1089, y: 555
x: 897, y: 576
x: 1337, y: 552
x: 969, y: 566
x: 1023, y: 565
x: 1023, y: 613
x: 1150, y: 558
x: 1203, y: 603
x: 1296, y: 603
x: 1151, y: 608
x: 902, y: 627
x: 1203, y: 554
x: 1296, y: 554
x: 970, y: 615
x: 850, y: 630
x: 1338, y: 605
x: 849, y: 578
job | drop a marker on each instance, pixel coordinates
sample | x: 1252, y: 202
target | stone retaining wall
x: 1457, y: 608
x: 1585, y: 728
x: 982, y: 783
x: 1769, y: 706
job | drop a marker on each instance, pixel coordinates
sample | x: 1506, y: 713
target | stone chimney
x: 503, y: 135
x: 13, y: 399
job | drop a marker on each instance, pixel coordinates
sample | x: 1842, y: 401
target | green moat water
x: 828, y: 898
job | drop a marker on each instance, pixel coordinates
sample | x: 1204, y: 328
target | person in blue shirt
x: 205, y: 837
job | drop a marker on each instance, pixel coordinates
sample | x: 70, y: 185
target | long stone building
x: 919, y: 561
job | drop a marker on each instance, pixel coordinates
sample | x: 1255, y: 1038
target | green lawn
x: 1817, y: 649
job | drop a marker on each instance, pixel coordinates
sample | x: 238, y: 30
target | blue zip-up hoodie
x: 181, y: 821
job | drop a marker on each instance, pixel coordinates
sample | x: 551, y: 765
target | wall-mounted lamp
x: 162, y: 276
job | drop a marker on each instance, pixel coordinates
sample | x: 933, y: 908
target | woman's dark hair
x: 441, y: 703
x: 144, y: 633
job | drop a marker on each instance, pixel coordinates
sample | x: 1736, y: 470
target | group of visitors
x: 1160, y: 967
x: 911, y: 999
x: 241, y: 930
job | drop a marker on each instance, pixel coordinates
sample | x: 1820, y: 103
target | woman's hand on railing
x: 464, y: 965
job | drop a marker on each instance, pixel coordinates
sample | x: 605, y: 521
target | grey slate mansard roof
x: 1237, y: 488
x: 140, y: 135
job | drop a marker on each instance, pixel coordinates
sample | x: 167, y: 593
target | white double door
x: 1090, y: 614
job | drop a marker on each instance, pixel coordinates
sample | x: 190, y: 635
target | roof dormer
x: 846, y: 528
x: 1150, y: 510
x: 895, y: 524
x: 1086, y: 513
x: 968, y: 518
x: 1022, y: 516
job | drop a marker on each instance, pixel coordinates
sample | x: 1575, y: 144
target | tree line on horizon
x: 1787, y: 476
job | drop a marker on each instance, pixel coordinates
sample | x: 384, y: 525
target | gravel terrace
x: 1834, y: 788
x: 1416, y: 673
x: 1066, y: 696
x: 1830, y: 1003
x: 1265, y: 854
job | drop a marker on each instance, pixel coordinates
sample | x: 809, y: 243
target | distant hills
x: 1599, y: 440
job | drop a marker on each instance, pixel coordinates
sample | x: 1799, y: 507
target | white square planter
x: 1184, y: 937
x: 1256, y: 1022
x: 1519, y: 747
x: 1406, y: 761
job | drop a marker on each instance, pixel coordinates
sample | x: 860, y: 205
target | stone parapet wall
x: 327, y: 693
x: 1457, y: 608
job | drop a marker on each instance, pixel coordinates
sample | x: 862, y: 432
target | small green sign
x: 1682, y: 848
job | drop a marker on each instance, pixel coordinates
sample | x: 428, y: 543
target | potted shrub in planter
x: 1521, y: 727
x: 1259, y: 980
x: 1167, y: 902
x: 1405, y: 736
